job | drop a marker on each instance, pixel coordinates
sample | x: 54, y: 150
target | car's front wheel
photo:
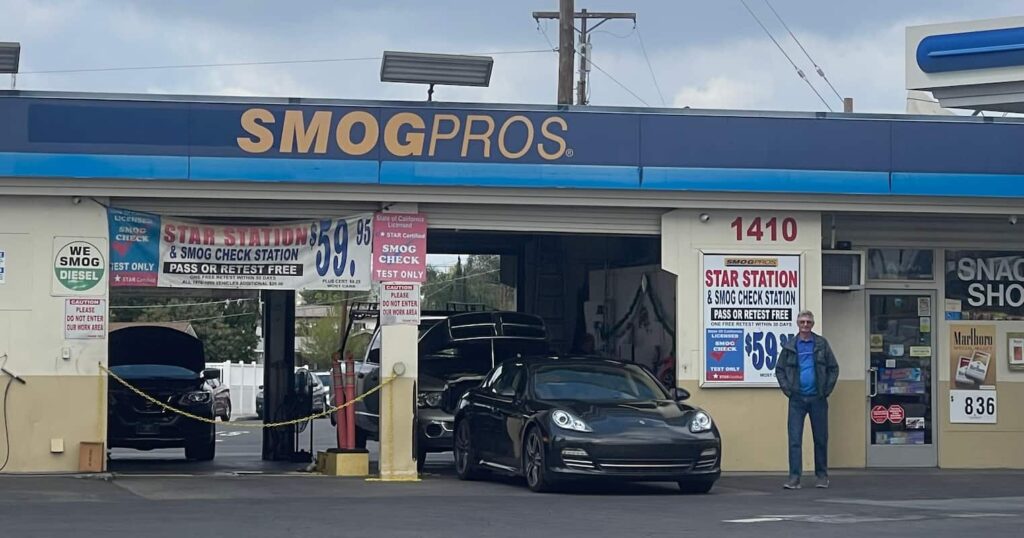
x: 696, y: 486
x: 226, y: 417
x: 465, y: 457
x: 201, y: 450
x: 535, y: 465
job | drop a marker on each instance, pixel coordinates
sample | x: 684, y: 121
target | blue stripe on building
x: 509, y: 175
x: 754, y: 180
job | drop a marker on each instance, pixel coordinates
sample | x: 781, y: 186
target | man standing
x: 807, y: 372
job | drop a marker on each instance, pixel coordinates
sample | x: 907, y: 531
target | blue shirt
x: 805, y: 351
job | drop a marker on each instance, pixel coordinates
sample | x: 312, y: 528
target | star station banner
x: 322, y: 254
x: 750, y: 308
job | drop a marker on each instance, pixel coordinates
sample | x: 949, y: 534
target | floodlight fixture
x: 10, y: 54
x: 431, y: 69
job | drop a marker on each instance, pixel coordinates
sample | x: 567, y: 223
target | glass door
x: 901, y: 359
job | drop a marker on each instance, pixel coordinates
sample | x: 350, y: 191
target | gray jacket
x: 826, y: 369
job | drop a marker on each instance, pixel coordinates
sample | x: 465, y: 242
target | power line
x: 649, y: 68
x: 817, y: 68
x: 223, y: 302
x: 211, y: 317
x: 783, y: 51
x: 621, y: 85
x: 243, y: 64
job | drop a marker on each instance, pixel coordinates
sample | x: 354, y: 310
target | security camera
x: 704, y: 217
x: 1013, y: 220
x: 76, y: 200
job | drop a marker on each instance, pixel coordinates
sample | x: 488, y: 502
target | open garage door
x: 552, y: 219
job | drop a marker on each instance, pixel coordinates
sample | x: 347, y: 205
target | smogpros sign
x: 358, y: 133
x: 79, y: 266
x: 988, y: 284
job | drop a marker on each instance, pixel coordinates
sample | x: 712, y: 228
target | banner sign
x: 400, y: 303
x: 134, y: 248
x: 323, y: 254
x: 985, y: 285
x: 400, y: 247
x: 750, y: 308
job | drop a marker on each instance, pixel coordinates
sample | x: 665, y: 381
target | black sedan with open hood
x: 168, y: 365
x: 551, y: 419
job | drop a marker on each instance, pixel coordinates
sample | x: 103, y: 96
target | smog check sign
x: 79, y: 266
x: 399, y: 247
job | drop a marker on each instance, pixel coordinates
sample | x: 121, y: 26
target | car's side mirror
x: 507, y: 392
x: 211, y: 373
x: 679, y: 394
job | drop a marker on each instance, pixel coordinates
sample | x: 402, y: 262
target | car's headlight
x: 701, y: 422
x: 566, y: 421
x: 195, y: 397
x: 428, y: 399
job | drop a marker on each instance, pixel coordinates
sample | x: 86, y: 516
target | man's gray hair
x: 805, y: 314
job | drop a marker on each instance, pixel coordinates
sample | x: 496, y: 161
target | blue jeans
x: 817, y: 408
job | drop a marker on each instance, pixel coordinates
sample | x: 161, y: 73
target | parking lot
x: 238, y: 494
x: 883, y: 503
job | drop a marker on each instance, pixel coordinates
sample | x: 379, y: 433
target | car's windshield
x: 138, y: 371
x: 325, y: 379
x: 595, y: 383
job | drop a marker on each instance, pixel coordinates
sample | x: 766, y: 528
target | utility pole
x: 566, y: 19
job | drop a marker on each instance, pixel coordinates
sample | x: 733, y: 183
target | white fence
x: 244, y: 380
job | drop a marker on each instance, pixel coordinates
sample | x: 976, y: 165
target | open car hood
x: 155, y: 345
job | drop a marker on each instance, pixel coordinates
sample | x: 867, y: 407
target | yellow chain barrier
x: 173, y: 409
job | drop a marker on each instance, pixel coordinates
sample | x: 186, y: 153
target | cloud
x: 720, y: 92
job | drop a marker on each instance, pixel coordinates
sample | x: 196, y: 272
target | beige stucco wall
x: 64, y: 398
x: 752, y: 420
x: 999, y: 445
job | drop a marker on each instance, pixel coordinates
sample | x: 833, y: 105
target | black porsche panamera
x: 553, y: 419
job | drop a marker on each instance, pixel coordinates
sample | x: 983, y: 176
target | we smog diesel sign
x: 358, y: 133
x: 79, y: 266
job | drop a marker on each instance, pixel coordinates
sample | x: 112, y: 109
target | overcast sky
x: 704, y: 53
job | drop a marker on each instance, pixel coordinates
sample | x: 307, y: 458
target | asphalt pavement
x: 236, y: 496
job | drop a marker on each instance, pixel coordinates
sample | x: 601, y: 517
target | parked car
x: 168, y: 365
x: 221, y: 397
x: 321, y: 394
x: 259, y: 403
x: 551, y: 419
x: 328, y: 382
x: 455, y: 353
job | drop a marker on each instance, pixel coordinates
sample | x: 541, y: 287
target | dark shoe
x: 822, y: 482
x: 792, y: 483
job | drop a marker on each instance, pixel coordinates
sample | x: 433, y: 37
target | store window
x: 900, y: 264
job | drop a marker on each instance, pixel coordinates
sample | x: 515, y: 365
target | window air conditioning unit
x: 842, y: 270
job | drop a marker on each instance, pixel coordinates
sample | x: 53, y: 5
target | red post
x: 338, y: 379
x: 350, y: 394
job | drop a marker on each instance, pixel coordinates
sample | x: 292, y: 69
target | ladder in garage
x: 549, y: 289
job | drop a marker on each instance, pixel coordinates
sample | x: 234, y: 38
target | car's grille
x: 141, y: 405
x: 645, y: 466
x: 708, y: 460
